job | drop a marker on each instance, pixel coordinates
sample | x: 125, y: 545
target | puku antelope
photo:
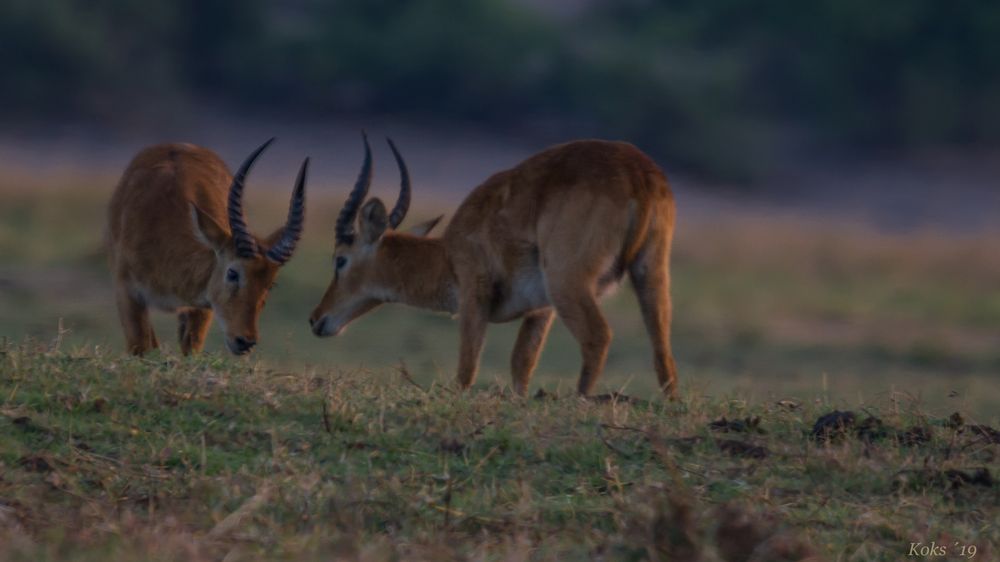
x: 178, y: 241
x: 549, y: 236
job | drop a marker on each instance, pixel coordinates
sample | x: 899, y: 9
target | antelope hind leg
x: 650, y: 276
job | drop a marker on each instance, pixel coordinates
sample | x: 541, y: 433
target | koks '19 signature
x: 933, y: 549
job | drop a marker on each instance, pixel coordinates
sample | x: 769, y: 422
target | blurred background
x: 835, y: 165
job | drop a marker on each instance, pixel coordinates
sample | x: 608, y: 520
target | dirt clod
x: 742, y: 449
x: 453, y: 446
x: 99, y: 406
x: 790, y: 405
x: 34, y: 463
x: 749, y: 424
x: 617, y: 397
x: 543, y: 395
x: 984, y: 432
x: 833, y: 426
x: 733, y: 447
x: 950, y: 479
x: 872, y: 429
x: 915, y: 435
x: 978, y: 431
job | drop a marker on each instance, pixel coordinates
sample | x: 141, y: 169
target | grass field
x: 105, y: 457
x: 314, y: 449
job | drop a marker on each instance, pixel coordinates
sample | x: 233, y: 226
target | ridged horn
x: 345, y: 221
x: 246, y: 245
x: 282, y: 251
x: 403, y: 202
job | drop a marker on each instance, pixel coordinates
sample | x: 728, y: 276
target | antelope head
x: 367, y: 272
x: 245, y: 265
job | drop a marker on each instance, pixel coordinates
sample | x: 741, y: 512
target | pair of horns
x: 246, y: 244
x: 345, y: 221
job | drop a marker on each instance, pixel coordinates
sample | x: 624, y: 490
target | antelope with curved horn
x: 549, y: 236
x: 178, y: 241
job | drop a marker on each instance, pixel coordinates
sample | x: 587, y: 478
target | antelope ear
x: 424, y: 228
x: 372, y: 220
x: 208, y: 231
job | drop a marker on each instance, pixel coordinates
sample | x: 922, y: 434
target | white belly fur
x: 527, y: 293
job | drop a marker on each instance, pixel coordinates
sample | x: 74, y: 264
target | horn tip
x: 300, y: 183
x: 303, y: 172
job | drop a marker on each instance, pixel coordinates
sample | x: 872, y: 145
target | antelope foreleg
x: 192, y: 327
x: 530, y: 339
x: 473, y: 320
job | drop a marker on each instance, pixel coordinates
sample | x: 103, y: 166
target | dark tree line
x: 710, y: 84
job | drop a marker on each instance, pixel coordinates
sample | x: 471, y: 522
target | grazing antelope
x: 178, y: 241
x: 555, y: 232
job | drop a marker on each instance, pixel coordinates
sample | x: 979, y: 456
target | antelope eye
x: 340, y: 262
x: 232, y: 276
